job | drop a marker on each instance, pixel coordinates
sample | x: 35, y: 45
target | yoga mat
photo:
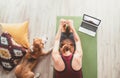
x: 89, y: 46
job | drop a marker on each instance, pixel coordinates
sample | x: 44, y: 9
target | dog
x: 24, y: 69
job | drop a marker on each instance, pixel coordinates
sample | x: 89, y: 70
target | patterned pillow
x: 10, y: 52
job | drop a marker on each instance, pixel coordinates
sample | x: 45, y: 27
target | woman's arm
x: 77, y: 59
x: 76, y: 38
x: 57, y: 38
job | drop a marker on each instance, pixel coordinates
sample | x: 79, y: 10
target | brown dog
x: 24, y: 70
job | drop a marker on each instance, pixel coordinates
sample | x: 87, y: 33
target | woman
x: 67, y: 52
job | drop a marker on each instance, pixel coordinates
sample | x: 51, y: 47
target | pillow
x: 10, y: 52
x: 18, y: 31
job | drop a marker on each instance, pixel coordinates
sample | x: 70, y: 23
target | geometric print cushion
x: 10, y: 52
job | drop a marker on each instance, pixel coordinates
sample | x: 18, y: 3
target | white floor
x: 42, y: 17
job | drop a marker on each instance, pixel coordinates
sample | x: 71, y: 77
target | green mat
x: 89, y: 46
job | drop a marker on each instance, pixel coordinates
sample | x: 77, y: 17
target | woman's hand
x: 70, y: 24
x: 64, y: 23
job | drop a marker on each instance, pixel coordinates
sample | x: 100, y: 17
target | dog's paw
x: 37, y: 75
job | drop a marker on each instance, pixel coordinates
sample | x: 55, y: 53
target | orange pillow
x: 18, y: 31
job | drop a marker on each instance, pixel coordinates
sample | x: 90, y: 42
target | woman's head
x: 67, y: 45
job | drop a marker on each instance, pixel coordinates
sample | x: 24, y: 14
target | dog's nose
x: 36, y: 45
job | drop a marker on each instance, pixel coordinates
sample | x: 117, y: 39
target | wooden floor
x: 41, y: 15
